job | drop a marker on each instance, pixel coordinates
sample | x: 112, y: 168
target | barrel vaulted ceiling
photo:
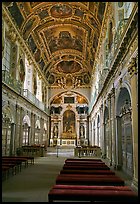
x: 62, y: 37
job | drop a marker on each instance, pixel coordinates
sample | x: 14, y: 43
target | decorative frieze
x: 132, y: 68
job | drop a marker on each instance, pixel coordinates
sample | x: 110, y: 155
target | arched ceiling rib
x: 62, y: 36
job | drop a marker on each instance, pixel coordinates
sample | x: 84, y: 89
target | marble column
x: 41, y: 130
x: 32, y: 136
x: 21, y: 128
x: 110, y: 129
x: 12, y: 139
x: 90, y: 132
x: 113, y: 127
x: 118, y: 144
x: 101, y: 126
x: 132, y: 69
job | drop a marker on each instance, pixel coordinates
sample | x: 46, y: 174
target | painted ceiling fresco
x: 62, y: 37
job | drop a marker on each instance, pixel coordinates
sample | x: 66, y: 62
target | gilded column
x: 132, y: 69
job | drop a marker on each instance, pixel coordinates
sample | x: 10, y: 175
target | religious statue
x: 55, y: 131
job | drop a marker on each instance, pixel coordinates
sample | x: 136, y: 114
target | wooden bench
x: 103, y: 167
x: 80, y: 180
x: 92, y: 195
x: 83, y: 171
x: 74, y: 159
x: 16, y: 159
x: 119, y: 188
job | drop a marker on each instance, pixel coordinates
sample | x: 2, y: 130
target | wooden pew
x: 84, y: 171
x: 119, y: 188
x: 75, y: 159
x: 29, y: 158
x: 16, y: 159
x: 80, y: 180
x: 92, y: 195
x: 103, y: 167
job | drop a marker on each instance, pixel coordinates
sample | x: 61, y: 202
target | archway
x: 26, y: 130
x: 7, y: 132
x: 124, y: 132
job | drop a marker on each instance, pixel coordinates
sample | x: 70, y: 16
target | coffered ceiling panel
x: 62, y: 36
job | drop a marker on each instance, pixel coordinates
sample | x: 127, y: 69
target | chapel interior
x: 70, y: 79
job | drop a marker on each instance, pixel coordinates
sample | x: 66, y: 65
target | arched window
x: 7, y: 56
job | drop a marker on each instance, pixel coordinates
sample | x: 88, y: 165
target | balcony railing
x: 13, y: 83
x: 17, y: 86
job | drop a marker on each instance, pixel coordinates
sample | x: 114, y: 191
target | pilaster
x: 132, y: 70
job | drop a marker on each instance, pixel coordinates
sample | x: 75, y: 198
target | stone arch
x: 124, y: 131
x: 26, y: 120
x: 8, y: 129
x: 26, y: 124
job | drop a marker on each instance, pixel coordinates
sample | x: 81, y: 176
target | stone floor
x: 33, y: 183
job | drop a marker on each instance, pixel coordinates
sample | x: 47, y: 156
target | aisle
x: 32, y: 184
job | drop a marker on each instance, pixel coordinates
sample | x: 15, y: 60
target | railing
x: 17, y: 86
x: 9, y: 80
x: 29, y: 95
x: 33, y: 99
x: 93, y: 151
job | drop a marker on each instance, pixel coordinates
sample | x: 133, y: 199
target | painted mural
x: 70, y: 38
x: 68, y: 67
x: 61, y: 11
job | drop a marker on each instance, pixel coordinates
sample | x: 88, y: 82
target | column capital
x: 132, y: 68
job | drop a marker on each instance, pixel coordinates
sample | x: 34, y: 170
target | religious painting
x: 86, y: 79
x: 79, y: 13
x: 70, y: 37
x: 68, y: 67
x: 22, y: 70
x: 101, y: 10
x: 51, y: 79
x: 69, y: 121
x: 81, y: 100
x: 37, y: 55
x: 32, y: 44
x: 61, y: 11
x: 16, y: 14
x: 43, y: 14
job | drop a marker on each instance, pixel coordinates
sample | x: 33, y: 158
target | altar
x: 68, y: 142
x: 68, y: 139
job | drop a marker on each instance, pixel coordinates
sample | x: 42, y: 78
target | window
x: 7, y: 55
